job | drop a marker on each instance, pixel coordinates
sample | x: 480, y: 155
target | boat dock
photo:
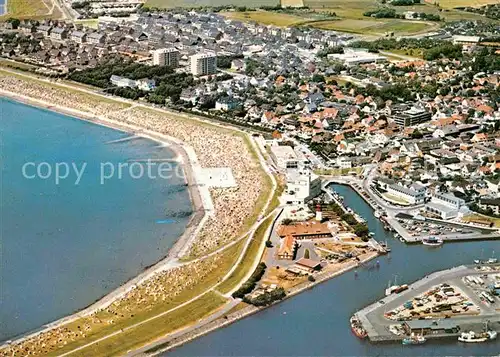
x: 377, y: 325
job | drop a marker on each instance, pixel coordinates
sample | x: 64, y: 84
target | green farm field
x: 450, y: 4
x: 166, y: 4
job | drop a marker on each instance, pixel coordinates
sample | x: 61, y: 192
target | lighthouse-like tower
x: 319, y: 215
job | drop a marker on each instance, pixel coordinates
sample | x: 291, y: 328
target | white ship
x: 472, y: 337
x: 432, y: 241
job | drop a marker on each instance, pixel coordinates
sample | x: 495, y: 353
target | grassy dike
x: 137, y: 326
x: 136, y: 337
x: 132, y: 329
x: 7, y: 68
x: 248, y: 259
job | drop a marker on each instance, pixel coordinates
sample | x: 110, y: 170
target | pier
x: 377, y: 325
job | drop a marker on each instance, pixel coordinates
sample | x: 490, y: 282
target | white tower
x: 319, y: 214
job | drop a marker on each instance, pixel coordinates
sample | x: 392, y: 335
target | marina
x: 442, y: 295
x: 321, y: 315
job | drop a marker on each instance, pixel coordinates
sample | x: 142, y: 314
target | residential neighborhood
x: 300, y: 154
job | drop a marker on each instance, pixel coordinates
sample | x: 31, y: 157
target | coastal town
x: 267, y: 122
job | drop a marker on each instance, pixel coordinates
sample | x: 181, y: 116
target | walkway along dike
x: 250, y: 310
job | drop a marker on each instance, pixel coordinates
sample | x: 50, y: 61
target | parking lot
x: 423, y: 229
x: 441, y: 301
x: 485, y: 289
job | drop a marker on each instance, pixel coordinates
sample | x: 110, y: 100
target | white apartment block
x: 203, y: 64
x: 301, y: 186
x: 415, y: 194
x: 166, y: 57
x: 444, y: 205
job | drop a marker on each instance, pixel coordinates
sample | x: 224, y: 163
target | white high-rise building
x: 203, y: 64
x: 166, y: 57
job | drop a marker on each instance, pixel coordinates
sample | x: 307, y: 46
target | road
x: 314, y: 159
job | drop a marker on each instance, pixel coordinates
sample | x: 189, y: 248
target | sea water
x: 65, y: 244
x: 316, y: 322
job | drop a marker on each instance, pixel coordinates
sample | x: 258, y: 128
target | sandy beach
x: 219, y: 214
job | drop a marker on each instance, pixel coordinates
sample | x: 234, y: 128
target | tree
x: 318, y: 78
x: 307, y: 254
x: 417, y: 134
x: 14, y: 22
x: 361, y: 230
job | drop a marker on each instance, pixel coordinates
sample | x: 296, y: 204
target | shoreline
x: 110, y: 115
x: 181, y: 244
x: 211, y: 326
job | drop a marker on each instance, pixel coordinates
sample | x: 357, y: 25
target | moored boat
x: 432, y: 241
x: 473, y: 337
x: 414, y: 340
x: 357, y: 328
x: 385, y: 247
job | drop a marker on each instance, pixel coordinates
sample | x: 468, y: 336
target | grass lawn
x: 15, y: 65
x: 138, y: 336
x: 352, y: 19
x: 246, y: 263
x: 268, y: 185
x: 265, y: 17
x: 338, y: 171
x: 25, y: 9
x: 461, y: 3
x: 395, y: 199
x: 292, y: 3
x: 275, y: 202
x: 343, y: 8
x: 412, y: 52
x: 371, y: 26
x: 89, y: 97
x: 448, y: 14
x: 481, y: 219
x: 242, y: 305
x: 92, y: 23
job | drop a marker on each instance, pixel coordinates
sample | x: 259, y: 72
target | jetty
x: 378, y: 326
x: 122, y: 140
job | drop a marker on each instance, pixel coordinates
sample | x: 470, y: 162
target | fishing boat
x: 432, y: 241
x: 492, y: 260
x: 395, y: 289
x: 385, y: 247
x: 414, y: 340
x: 377, y: 214
x: 472, y: 337
x: 357, y: 328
